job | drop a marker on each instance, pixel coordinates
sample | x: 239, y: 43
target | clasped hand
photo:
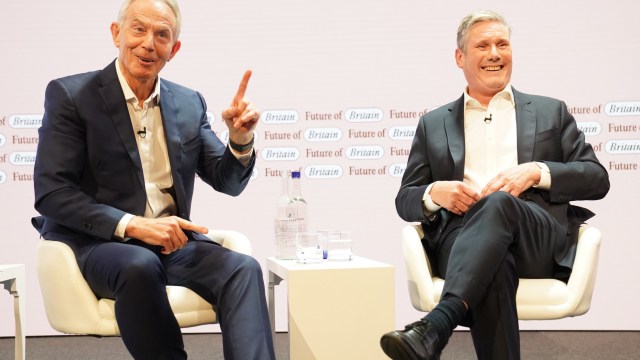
x: 458, y: 197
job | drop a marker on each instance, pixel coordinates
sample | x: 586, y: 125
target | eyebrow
x: 161, y: 27
x: 162, y: 24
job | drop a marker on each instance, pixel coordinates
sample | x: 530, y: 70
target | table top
x: 282, y: 266
x: 11, y: 271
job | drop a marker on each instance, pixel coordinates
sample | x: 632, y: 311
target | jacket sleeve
x: 576, y: 173
x: 216, y: 165
x: 417, y: 176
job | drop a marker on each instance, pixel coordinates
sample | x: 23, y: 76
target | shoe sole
x: 396, y: 349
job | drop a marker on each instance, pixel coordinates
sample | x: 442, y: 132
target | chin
x: 145, y: 74
x: 497, y: 85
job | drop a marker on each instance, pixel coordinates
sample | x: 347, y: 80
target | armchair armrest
x: 232, y: 240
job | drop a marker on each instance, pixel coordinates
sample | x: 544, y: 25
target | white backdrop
x: 388, y: 60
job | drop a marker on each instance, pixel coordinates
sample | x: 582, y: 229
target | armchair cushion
x: 536, y: 299
x: 72, y: 307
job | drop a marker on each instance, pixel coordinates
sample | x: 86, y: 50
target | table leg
x: 16, y: 288
x: 273, y: 281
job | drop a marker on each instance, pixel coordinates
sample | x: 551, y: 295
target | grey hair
x: 172, y: 4
x: 474, y: 18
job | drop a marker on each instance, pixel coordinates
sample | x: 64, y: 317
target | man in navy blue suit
x: 118, y: 155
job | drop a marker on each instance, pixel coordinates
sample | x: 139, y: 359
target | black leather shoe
x: 418, y: 341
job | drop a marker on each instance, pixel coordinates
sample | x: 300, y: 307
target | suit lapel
x: 526, y: 126
x: 454, y: 128
x: 169, y: 112
x: 170, y: 123
x: 112, y: 95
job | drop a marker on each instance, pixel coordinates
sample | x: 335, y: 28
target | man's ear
x: 115, y: 34
x: 459, y: 58
x: 174, y: 49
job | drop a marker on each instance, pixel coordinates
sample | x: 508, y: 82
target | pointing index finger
x: 242, y: 88
x: 188, y: 225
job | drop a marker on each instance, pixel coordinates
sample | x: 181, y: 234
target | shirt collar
x: 471, y: 103
x: 128, y: 93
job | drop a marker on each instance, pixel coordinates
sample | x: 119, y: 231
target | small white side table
x: 12, y: 277
x: 337, y: 310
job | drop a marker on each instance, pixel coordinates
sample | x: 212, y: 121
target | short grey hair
x: 172, y: 4
x: 474, y: 18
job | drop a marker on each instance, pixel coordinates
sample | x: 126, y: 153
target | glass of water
x: 325, y: 236
x: 340, y: 246
x: 308, y: 247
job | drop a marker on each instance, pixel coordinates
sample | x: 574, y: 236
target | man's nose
x: 147, y: 41
x: 494, y: 54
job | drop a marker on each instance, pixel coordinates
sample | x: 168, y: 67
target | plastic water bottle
x: 285, y: 222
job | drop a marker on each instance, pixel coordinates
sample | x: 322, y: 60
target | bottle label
x: 285, y: 237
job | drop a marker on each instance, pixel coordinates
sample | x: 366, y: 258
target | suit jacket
x: 88, y: 172
x: 546, y: 132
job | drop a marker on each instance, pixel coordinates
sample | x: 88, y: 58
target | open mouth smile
x: 145, y: 60
x: 492, y: 68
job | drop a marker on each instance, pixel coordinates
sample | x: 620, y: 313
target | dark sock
x: 446, y: 316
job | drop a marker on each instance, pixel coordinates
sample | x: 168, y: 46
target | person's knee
x: 499, y: 199
x: 497, y: 203
x: 245, y: 277
x: 248, y: 264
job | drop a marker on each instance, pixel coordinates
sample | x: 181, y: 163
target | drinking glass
x: 325, y: 236
x: 308, y: 247
x: 340, y: 246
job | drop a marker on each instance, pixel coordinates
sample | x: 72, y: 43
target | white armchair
x: 536, y: 299
x: 73, y: 308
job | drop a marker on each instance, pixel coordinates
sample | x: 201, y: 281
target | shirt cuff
x: 428, y: 202
x: 122, y: 226
x: 244, y: 159
x: 545, y: 176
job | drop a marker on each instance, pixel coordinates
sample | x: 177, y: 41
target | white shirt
x: 490, y: 138
x: 491, y: 145
x: 152, y: 147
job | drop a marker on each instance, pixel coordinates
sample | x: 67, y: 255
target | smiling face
x: 486, y: 59
x: 147, y: 39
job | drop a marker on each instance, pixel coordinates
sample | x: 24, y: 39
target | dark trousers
x: 483, y: 254
x: 135, y: 275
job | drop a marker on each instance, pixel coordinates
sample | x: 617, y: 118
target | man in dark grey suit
x: 490, y: 177
x: 118, y: 155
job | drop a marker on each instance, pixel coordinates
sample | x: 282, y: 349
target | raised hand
x: 241, y: 117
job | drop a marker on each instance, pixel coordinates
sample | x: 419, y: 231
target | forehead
x: 488, y: 29
x: 151, y: 11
